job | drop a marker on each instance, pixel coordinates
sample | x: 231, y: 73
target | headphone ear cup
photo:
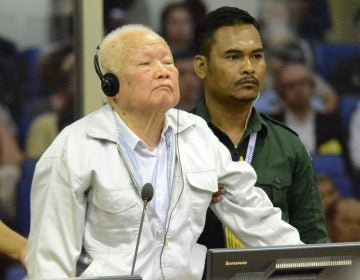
x: 110, y: 84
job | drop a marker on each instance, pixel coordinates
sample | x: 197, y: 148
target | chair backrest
x: 334, y: 167
x: 343, y: 185
x: 347, y: 105
x: 329, y: 164
x: 23, y: 197
x: 329, y: 54
x: 31, y: 59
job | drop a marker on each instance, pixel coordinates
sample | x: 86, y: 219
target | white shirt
x: 151, y: 166
x: 304, y: 128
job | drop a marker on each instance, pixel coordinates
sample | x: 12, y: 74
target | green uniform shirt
x: 284, y: 172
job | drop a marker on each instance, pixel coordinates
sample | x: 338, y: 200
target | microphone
x: 147, y: 193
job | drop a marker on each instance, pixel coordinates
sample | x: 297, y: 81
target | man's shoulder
x: 276, y: 124
x: 282, y: 135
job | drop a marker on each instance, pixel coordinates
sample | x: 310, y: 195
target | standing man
x: 230, y: 61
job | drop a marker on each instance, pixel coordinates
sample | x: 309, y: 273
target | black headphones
x: 109, y: 82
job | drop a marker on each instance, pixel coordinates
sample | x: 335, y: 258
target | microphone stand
x: 138, y: 238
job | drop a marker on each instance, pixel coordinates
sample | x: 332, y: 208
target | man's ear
x: 200, y: 66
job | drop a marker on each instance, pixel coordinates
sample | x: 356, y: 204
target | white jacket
x: 86, y: 211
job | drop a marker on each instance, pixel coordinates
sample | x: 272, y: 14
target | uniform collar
x: 255, y: 124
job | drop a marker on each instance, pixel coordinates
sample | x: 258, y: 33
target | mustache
x: 247, y: 79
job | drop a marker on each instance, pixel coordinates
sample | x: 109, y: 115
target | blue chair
x: 23, y: 207
x: 23, y: 197
x: 31, y: 58
x: 347, y: 105
x: 327, y: 55
x: 334, y: 167
x: 329, y: 164
x: 343, y: 185
x: 27, y: 169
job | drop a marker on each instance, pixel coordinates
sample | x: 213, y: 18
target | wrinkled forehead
x: 142, y: 43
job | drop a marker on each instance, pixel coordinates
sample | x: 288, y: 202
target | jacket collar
x: 102, y: 123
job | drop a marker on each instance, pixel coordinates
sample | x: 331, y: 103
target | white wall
x: 25, y: 21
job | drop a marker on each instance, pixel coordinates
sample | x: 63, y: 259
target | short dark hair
x: 224, y: 16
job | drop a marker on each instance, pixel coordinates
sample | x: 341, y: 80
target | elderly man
x: 86, y: 201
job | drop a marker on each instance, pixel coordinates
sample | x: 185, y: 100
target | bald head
x: 120, y: 44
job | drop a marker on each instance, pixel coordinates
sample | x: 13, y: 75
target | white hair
x: 112, y: 47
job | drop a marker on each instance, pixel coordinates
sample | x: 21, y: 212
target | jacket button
x: 277, y: 180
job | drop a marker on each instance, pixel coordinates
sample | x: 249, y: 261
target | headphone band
x: 96, y: 64
x: 109, y: 82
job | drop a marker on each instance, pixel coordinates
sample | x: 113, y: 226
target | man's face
x: 347, y: 221
x: 328, y: 192
x: 296, y: 86
x: 148, y: 77
x: 235, y: 69
x: 179, y: 26
x: 190, y: 84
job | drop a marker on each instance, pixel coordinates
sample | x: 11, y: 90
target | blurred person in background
x: 6, y: 116
x: 329, y: 193
x: 115, y: 13
x: 305, y: 19
x: 191, y: 91
x: 310, y: 19
x: 324, y: 99
x: 11, y: 80
x: 274, y: 21
x: 177, y: 27
x: 11, y: 157
x: 198, y: 9
x: 295, y: 86
x: 283, y: 44
x: 60, y: 82
x: 7, y: 119
x: 343, y: 220
x: 345, y: 76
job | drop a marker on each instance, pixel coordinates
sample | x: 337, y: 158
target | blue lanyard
x: 251, y: 148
